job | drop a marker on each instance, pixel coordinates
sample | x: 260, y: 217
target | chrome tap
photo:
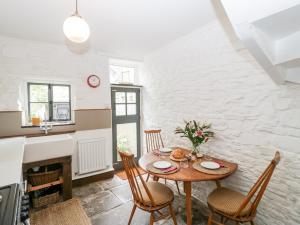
x: 46, y: 127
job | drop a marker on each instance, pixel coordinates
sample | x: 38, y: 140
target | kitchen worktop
x: 11, y: 158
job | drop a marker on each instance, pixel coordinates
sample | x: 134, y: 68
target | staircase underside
x: 271, y: 32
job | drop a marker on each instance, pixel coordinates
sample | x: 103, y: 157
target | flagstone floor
x: 109, y: 202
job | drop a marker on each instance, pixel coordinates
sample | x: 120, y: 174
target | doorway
x: 125, y: 122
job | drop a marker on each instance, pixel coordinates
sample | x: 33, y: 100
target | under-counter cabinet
x: 51, y: 176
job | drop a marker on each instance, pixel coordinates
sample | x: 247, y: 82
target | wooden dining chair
x: 155, y: 142
x: 148, y: 196
x: 232, y: 205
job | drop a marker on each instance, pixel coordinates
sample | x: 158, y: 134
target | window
x: 50, y: 102
x: 122, y: 75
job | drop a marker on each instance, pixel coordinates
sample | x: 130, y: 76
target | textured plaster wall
x: 23, y: 60
x: 208, y: 76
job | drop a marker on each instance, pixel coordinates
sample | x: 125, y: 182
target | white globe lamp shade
x: 76, y: 29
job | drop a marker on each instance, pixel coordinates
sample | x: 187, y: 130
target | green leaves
x: 196, y: 132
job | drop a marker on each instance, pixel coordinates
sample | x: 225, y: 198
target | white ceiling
x: 122, y: 28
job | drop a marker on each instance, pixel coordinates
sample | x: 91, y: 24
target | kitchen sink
x: 48, y: 147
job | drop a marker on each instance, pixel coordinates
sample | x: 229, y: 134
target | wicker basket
x: 45, y: 200
x: 43, y: 178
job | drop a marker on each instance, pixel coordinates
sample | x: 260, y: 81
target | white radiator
x: 91, y: 155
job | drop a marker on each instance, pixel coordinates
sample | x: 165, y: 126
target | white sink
x: 48, y: 147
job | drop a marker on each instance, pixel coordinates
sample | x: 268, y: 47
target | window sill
x: 55, y: 124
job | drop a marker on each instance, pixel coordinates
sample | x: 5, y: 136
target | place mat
x: 65, y: 213
x: 220, y: 171
x: 159, y: 153
x: 152, y: 169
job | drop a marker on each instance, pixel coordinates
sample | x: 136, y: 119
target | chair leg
x: 252, y: 223
x: 210, y: 217
x: 172, y: 214
x: 151, y: 219
x: 148, y: 176
x: 222, y: 219
x: 177, y: 187
x: 165, y: 181
x: 132, y: 213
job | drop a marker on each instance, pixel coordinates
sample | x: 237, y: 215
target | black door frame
x: 125, y: 119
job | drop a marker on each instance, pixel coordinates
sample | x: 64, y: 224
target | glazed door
x: 125, y: 122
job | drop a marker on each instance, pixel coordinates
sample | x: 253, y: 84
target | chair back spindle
x: 153, y: 140
x: 138, y: 188
x: 258, y: 189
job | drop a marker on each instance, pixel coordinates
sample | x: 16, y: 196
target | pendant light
x: 76, y: 28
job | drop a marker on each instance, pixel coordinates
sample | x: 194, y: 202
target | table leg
x: 188, y: 201
x: 155, y: 178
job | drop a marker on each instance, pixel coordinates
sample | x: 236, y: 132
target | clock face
x: 93, y: 81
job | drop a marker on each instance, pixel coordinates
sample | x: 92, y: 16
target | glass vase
x: 195, y: 151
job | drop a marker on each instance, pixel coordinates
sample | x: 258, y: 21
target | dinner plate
x: 165, y: 150
x: 210, y: 165
x: 162, y: 164
x: 178, y: 160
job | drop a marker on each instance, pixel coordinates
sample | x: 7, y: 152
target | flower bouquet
x: 196, y: 132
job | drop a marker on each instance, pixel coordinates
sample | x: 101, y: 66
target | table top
x: 185, y: 174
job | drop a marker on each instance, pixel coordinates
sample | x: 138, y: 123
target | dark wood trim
x: 10, y: 111
x: 108, y: 109
x: 39, y: 134
x: 94, y: 178
x: 54, y: 125
x: 126, y: 85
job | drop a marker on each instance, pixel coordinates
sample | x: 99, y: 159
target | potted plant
x: 196, y: 132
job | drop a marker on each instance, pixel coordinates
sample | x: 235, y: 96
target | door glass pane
x: 120, y: 97
x: 131, y: 97
x: 126, y: 138
x: 61, y: 111
x: 40, y: 110
x: 120, y: 110
x: 131, y: 109
x: 61, y: 93
x: 38, y: 93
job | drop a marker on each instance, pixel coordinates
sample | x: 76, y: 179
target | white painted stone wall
x: 22, y: 61
x: 208, y: 76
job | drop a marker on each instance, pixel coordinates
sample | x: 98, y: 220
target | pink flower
x: 198, y: 133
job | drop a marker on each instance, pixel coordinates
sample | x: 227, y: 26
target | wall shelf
x: 31, y: 188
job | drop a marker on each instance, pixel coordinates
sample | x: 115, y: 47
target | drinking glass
x: 184, y: 164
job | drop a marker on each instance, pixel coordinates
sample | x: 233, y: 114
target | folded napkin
x: 170, y: 169
x: 221, y: 164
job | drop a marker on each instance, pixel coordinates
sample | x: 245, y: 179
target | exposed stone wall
x: 208, y: 76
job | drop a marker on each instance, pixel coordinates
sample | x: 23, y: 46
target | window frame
x: 50, y: 100
x: 123, y: 66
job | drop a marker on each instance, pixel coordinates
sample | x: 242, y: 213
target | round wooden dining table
x: 187, y: 176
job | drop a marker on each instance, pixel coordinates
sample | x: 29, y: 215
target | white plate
x: 210, y: 165
x: 162, y: 164
x: 165, y: 150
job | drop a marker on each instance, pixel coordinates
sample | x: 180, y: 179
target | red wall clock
x: 93, y: 81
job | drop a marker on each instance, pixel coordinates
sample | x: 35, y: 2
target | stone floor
x: 109, y: 202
